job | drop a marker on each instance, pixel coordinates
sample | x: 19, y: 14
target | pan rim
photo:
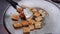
x: 4, y: 19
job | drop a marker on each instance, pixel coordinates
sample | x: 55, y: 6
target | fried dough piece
x: 22, y: 16
x: 15, y: 17
x: 19, y: 10
x: 31, y: 27
x: 34, y: 10
x: 26, y: 29
x: 39, y: 18
x: 36, y: 14
x: 31, y: 21
x: 25, y: 23
x: 43, y: 14
x: 37, y: 25
x: 17, y: 25
x: 40, y: 11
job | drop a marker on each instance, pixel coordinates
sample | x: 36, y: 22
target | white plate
x: 52, y: 20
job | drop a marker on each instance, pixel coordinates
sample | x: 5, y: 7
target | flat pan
x: 52, y: 20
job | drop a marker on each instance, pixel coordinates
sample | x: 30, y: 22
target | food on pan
x: 34, y: 10
x: 22, y: 16
x: 33, y: 17
x: 21, y: 13
x: 24, y: 23
x: 31, y: 27
x: 26, y: 29
x: 42, y: 13
x: 20, y: 9
x: 37, y: 25
x: 17, y: 25
x: 15, y: 17
x: 36, y: 14
x: 39, y: 18
x: 31, y: 23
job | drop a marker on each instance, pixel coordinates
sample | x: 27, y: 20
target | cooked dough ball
x: 15, y: 17
x: 31, y: 21
x: 34, y: 10
x: 31, y: 27
x: 40, y: 11
x: 39, y: 18
x: 25, y: 23
x: 43, y: 15
x: 22, y: 16
x: 17, y: 25
x: 38, y: 25
x: 19, y: 10
x: 26, y: 29
x: 36, y: 14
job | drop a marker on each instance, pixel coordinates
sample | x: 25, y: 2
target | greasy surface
x: 3, y: 5
x: 51, y: 19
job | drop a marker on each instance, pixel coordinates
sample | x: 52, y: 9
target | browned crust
x: 27, y: 33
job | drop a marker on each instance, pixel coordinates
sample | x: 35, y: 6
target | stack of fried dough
x: 32, y: 23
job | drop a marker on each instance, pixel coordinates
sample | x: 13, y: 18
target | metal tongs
x: 27, y: 13
x: 14, y: 4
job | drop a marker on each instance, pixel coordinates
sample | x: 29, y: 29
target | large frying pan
x: 52, y: 20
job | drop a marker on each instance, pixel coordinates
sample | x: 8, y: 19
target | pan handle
x: 12, y: 3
